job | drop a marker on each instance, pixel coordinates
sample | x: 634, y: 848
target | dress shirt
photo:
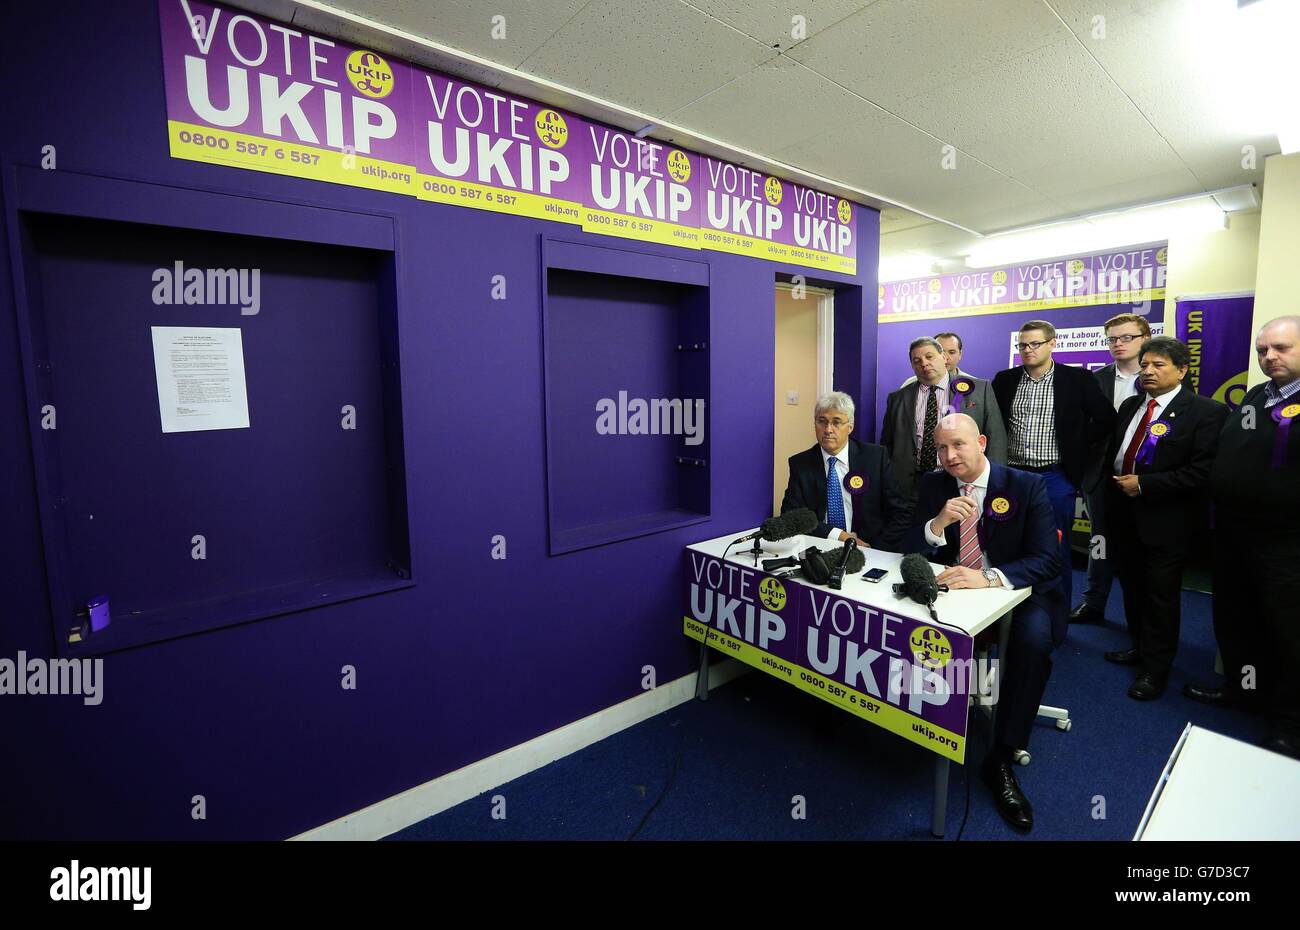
x: 977, y: 494
x: 1117, y: 466
x: 1274, y: 395
x: 942, y: 398
x: 1125, y: 386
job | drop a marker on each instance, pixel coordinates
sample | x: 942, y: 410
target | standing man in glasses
x: 1056, y: 417
x: 1118, y: 382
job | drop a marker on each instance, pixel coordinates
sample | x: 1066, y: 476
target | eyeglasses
x: 1120, y: 340
x: 1022, y: 346
x: 837, y: 422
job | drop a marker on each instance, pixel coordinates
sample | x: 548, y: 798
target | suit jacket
x: 1023, y: 547
x: 898, y: 434
x: 1171, y: 510
x: 880, y: 512
x: 1084, y: 418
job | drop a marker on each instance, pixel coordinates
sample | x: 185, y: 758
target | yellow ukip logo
x: 1159, y: 429
x: 1000, y: 505
x: 369, y: 74
x: 845, y: 211
x: 856, y: 482
x: 772, y: 190
x: 772, y: 593
x: 930, y: 647
x: 1291, y: 411
x: 552, y: 130
x: 679, y: 166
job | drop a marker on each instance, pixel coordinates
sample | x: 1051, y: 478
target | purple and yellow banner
x: 911, y: 677
x: 641, y: 189
x: 1123, y: 276
x: 492, y: 151
x: 747, y: 212
x: 1217, y: 331
x: 252, y: 93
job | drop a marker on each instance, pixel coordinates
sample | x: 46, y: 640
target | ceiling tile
x: 773, y: 23
x: 896, y: 49
x: 655, y: 56
x: 770, y: 107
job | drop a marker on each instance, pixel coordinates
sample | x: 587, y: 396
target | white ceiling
x: 1047, y: 116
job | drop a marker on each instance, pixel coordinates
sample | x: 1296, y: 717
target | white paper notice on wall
x: 200, y: 373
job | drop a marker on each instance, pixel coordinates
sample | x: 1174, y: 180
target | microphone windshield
x: 856, y: 560
x: 791, y: 523
x: 918, y: 579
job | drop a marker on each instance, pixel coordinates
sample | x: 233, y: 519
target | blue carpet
x: 737, y: 761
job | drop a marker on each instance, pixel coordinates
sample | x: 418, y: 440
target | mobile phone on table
x: 875, y: 575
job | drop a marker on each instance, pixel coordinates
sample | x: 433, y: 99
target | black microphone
x: 791, y: 523
x: 918, y: 580
x: 852, y: 559
x: 838, y: 564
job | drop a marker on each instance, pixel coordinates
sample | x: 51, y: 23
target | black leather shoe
x: 1218, y: 697
x: 1011, y: 801
x: 1147, y: 687
x: 1085, y: 614
x: 1124, y: 657
x: 1287, y: 745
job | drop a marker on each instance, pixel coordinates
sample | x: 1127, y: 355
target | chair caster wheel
x: 1021, y: 757
x: 1063, y: 725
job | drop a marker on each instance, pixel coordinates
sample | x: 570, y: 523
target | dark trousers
x: 1151, y: 578
x: 1257, y: 615
x: 1024, y: 671
x: 1101, y: 574
x: 1061, y: 493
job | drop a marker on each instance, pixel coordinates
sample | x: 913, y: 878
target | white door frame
x: 825, y: 333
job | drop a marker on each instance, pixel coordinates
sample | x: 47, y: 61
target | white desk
x: 1218, y: 788
x: 971, y: 611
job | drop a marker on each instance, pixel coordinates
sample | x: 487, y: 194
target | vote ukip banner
x: 251, y: 93
x: 911, y: 677
x: 1124, y: 276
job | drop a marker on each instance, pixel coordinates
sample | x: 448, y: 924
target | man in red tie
x: 1159, y: 459
x: 995, y: 527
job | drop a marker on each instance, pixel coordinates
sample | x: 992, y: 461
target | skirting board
x: 415, y: 804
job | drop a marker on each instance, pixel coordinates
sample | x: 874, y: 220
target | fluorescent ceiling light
x: 1099, y: 232
x: 1254, y: 78
x: 906, y: 266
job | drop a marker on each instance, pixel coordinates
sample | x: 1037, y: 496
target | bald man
x: 1255, y: 486
x: 995, y: 527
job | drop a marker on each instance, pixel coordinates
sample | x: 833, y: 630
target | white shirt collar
x: 842, y: 457
x: 1163, y: 400
x: 983, y: 480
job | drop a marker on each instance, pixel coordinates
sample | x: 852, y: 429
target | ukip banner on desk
x: 747, y: 212
x: 250, y: 93
x: 912, y: 678
x: 1133, y: 275
x: 1217, y: 330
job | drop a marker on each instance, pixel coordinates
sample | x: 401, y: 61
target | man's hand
x: 845, y: 537
x: 1128, y: 484
x: 959, y: 576
x: 954, y: 511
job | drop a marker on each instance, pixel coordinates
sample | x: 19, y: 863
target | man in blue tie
x: 848, y: 484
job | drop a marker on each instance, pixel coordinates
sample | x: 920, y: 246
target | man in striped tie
x: 995, y: 527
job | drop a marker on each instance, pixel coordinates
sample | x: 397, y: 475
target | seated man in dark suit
x: 847, y: 483
x: 1157, y: 475
x: 995, y: 526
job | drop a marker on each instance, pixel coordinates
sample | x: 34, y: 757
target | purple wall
x: 481, y: 654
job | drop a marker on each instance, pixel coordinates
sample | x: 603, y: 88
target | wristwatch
x: 992, y: 578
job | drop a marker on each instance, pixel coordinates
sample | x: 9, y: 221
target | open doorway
x: 805, y: 339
